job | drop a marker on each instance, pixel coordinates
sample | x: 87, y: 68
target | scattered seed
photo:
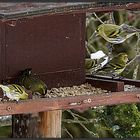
x: 83, y: 89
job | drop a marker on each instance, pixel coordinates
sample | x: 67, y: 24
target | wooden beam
x: 80, y: 8
x: 46, y: 104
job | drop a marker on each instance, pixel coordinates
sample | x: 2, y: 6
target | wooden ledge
x: 77, y: 102
x: 125, y: 80
x: 80, y: 102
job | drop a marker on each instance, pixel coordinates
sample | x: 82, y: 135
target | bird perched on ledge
x: 31, y: 82
x: 115, y: 66
x: 14, y: 92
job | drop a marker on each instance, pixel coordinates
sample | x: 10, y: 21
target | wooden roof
x: 17, y: 10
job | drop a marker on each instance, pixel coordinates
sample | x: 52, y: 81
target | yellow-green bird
x: 31, y: 82
x: 89, y: 63
x: 116, y: 34
x: 14, y: 92
x: 115, y: 66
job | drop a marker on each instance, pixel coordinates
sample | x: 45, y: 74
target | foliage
x: 5, y: 131
x: 118, y: 121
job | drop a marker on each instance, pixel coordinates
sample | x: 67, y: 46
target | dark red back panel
x: 52, y: 45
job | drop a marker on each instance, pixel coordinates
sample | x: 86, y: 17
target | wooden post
x: 50, y: 124
x: 25, y: 126
x: 43, y: 125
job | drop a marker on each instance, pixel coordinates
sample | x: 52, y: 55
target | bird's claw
x: 117, y: 77
x: 17, y: 101
x: 113, y: 76
x: 120, y: 77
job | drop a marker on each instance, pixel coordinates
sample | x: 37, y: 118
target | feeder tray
x: 31, y: 38
x: 117, y: 96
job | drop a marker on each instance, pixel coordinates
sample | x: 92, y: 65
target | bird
x: 14, y: 92
x: 31, y: 82
x: 115, y: 66
x: 116, y: 34
x: 89, y: 63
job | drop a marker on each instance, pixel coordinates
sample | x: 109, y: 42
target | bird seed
x: 83, y: 89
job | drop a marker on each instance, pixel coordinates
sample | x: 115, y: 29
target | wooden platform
x: 75, y: 102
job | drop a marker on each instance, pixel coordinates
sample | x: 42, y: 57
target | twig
x: 66, y: 130
x: 74, y: 121
x: 98, y: 18
x: 135, y: 72
x: 80, y: 117
x: 77, y: 115
x: 137, y: 44
x: 111, y: 18
x: 93, y: 37
x: 135, y: 59
x: 110, y: 45
x: 104, y: 15
x: 90, y: 132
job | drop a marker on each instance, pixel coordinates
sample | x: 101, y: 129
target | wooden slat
x: 109, y: 85
x: 60, y: 8
x: 125, y: 80
x: 39, y: 105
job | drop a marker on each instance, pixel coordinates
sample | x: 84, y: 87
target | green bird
x: 115, y: 66
x: 14, y: 92
x: 89, y: 63
x: 116, y: 34
x: 31, y: 82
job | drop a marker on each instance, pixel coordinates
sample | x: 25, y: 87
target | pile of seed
x: 131, y: 88
x: 84, y: 89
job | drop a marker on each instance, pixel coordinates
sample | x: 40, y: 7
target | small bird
x: 31, y: 82
x: 89, y: 63
x: 116, y: 34
x: 14, y: 92
x: 95, y: 61
x: 115, y: 66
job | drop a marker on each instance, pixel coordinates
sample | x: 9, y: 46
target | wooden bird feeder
x: 50, y: 39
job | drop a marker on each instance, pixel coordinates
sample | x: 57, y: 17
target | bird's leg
x: 113, y: 76
x: 121, y: 77
x: 3, y: 96
x: 42, y: 96
x: 127, y: 70
x: 2, y: 100
x: 17, y: 101
x: 110, y: 48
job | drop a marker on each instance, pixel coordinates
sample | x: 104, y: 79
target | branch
x: 74, y: 121
x: 90, y: 132
x: 66, y: 130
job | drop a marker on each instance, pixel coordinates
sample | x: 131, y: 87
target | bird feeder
x: 50, y: 39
